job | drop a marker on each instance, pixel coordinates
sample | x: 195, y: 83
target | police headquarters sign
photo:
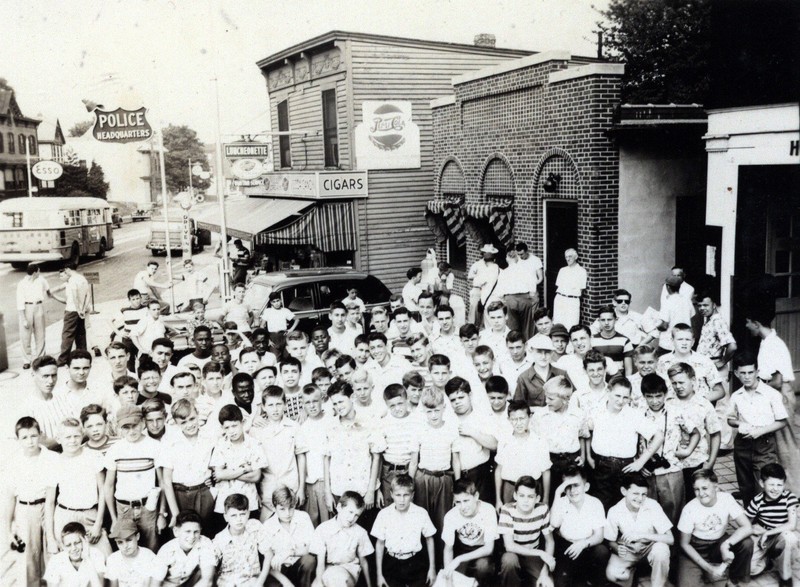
x: 121, y: 126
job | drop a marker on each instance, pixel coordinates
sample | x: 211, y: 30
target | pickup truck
x: 157, y: 243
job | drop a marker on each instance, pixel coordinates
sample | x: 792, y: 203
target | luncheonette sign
x: 121, y: 126
x: 387, y: 138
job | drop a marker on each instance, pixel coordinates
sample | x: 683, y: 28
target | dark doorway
x: 561, y: 233
x: 690, y: 216
x: 767, y: 266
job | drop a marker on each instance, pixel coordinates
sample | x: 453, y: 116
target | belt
x: 33, y: 303
x: 558, y: 293
x: 521, y: 293
x: 614, y: 459
x: 134, y: 503
x: 63, y: 507
x: 434, y: 473
x: 565, y: 455
x: 475, y: 468
x: 34, y: 502
x: 394, y: 467
x: 181, y: 487
x: 402, y: 556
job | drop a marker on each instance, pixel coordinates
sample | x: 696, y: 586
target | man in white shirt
x: 148, y: 286
x: 519, y: 291
x: 32, y: 290
x: 412, y: 289
x: 675, y: 309
x: 77, y: 302
x: 685, y: 290
x: 494, y: 335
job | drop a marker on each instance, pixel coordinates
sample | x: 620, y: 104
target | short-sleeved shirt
x: 402, y: 533
x: 705, y: 372
x: 695, y: 413
x: 478, y: 530
x: 400, y: 438
x: 188, y: 459
x: 650, y: 519
x: 350, y: 448
x: 134, y: 571
x: 562, y: 431
x: 311, y: 440
x: 522, y: 455
x: 179, y: 565
x: 32, y: 475
x: 676, y: 434
x: 60, y: 570
x: 472, y: 453
x: 674, y: 310
x: 525, y: 529
x: 232, y: 456
x: 616, y: 347
x: 237, y: 556
x: 771, y: 513
x: 709, y: 523
x: 773, y: 356
x: 761, y: 407
x: 289, y: 543
x: 571, y: 280
x: 341, y: 546
x: 714, y: 336
x: 577, y: 524
x: 277, y: 320
x: 617, y: 435
x: 437, y: 445
x: 76, y: 479
x: 278, y: 442
x: 135, y: 464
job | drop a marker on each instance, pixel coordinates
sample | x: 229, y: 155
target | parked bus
x: 50, y: 229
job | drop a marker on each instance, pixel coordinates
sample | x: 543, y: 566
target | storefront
x: 753, y: 203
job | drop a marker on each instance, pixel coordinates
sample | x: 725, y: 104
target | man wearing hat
x: 676, y: 309
x: 530, y: 384
x: 483, y: 274
x: 131, y: 564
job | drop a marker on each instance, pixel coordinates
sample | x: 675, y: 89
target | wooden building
x: 353, y: 138
x: 17, y: 136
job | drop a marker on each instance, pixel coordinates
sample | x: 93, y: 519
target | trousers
x: 73, y: 332
x: 34, y: 316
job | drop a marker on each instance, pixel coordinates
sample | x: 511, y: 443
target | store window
x: 284, y: 141
x: 329, y: 128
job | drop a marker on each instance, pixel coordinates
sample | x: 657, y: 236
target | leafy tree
x: 74, y: 178
x: 182, y: 145
x: 96, y: 182
x: 79, y: 128
x: 665, y: 46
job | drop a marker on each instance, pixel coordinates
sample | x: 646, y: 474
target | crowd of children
x: 405, y: 453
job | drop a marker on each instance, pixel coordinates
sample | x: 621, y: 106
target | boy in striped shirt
x: 773, y: 514
x: 399, y: 433
x: 524, y: 525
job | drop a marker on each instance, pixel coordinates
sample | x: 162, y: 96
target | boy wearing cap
x: 131, y: 476
x: 132, y: 565
x: 560, y: 337
x: 530, y: 384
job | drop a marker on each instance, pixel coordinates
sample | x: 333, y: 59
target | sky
x: 165, y: 54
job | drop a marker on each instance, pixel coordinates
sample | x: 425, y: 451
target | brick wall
x: 536, y: 128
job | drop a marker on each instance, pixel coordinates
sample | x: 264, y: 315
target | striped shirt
x: 294, y: 407
x: 400, y: 435
x: 771, y: 514
x: 617, y: 347
x: 437, y: 445
x: 128, y: 318
x: 135, y: 466
x: 103, y: 448
x: 525, y: 529
x: 49, y: 413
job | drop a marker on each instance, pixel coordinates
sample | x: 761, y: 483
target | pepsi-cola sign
x: 387, y: 138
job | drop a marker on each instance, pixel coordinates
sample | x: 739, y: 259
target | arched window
x: 11, y: 144
x: 452, y: 186
x: 32, y: 144
x: 498, y: 181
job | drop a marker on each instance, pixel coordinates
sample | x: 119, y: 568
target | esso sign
x: 47, y: 170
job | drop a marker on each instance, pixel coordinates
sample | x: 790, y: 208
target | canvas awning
x: 246, y: 218
x: 329, y: 226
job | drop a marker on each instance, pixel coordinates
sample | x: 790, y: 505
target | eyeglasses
x: 622, y: 301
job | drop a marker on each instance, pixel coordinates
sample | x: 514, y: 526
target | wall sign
x: 387, y: 137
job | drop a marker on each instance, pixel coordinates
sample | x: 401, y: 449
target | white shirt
x: 617, y: 435
x: 675, y: 310
x: 577, y: 524
x: 401, y: 532
x: 187, y: 458
x: 486, y: 276
x: 761, y: 407
x: 571, y: 280
x: 522, y: 455
x: 470, y: 452
x: 709, y: 523
x: 773, y: 355
x: 136, y: 571
x: 650, y: 519
x: 31, y: 290
x: 32, y: 475
x: 179, y: 565
x: 77, y: 294
x: 311, y: 440
x: 293, y: 542
x: 76, y: 479
x: 411, y: 293
x: 61, y: 572
x: 686, y: 291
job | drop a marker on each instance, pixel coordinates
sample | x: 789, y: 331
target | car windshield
x: 256, y: 295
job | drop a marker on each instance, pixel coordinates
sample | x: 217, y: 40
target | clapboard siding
x: 392, y: 231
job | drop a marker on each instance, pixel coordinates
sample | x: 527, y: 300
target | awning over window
x: 501, y: 219
x: 246, y: 218
x: 452, y: 219
x: 330, y: 227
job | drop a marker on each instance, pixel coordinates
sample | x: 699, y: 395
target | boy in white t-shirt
x: 310, y: 446
x: 132, y: 565
x: 78, y: 564
x: 277, y: 320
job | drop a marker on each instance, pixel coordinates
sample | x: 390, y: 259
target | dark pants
x: 518, y: 570
x: 239, y: 274
x: 484, y: 480
x: 520, y: 312
x: 200, y: 500
x: 590, y: 565
x: 690, y: 574
x: 389, y: 472
x: 560, y: 461
x: 749, y: 455
x: 408, y: 572
x: 74, y: 331
x: 145, y: 522
x: 688, y: 482
x: 608, y: 479
x: 300, y: 573
x: 480, y: 569
x: 434, y: 493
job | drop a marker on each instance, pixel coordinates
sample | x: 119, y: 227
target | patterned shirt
x: 232, y: 456
x: 237, y: 556
x: 706, y: 374
x: 525, y: 529
x: 676, y: 433
x: 714, y: 336
x: 350, y: 448
x: 180, y: 565
x: 698, y: 413
x: 561, y: 431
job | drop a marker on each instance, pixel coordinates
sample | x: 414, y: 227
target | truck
x: 157, y: 243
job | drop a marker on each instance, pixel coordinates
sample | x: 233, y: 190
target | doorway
x: 560, y: 234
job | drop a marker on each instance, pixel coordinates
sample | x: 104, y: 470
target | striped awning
x: 244, y: 218
x: 501, y: 219
x: 330, y: 227
x: 451, y: 211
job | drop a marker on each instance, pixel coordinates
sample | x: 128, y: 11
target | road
x: 116, y: 276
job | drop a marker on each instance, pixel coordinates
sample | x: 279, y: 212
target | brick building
x: 527, y: 144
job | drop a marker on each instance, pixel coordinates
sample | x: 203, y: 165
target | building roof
x: 49, y: 131
x: 328, y: 39
x: 8, y: 105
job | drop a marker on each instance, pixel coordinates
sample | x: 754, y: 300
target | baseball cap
x: 124, y: 528
x: 559, y: 330
x: 540, y: 342
x: 129, y: 414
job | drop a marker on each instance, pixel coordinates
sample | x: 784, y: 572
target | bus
x: 51, y: 229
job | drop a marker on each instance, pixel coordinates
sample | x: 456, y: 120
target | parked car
x: 308, y: 293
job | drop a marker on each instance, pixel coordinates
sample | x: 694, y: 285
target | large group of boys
x: 416, y: 451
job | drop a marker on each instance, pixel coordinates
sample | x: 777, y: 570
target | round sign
x: 205, y: 175
x: 47, y: 170
x: 197, y: 170
x: 247, y: 168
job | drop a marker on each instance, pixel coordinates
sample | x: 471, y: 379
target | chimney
x: 485, y: 40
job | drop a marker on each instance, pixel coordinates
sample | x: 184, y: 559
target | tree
x: 74, y: 178
x: 665, y: 46
x: 96, y: 183
x: 79, y: 128
x: 182, y: 146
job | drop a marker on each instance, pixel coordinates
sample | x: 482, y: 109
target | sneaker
x: 26, y: 366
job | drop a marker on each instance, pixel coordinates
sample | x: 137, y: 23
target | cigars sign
x: 387, y: 137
